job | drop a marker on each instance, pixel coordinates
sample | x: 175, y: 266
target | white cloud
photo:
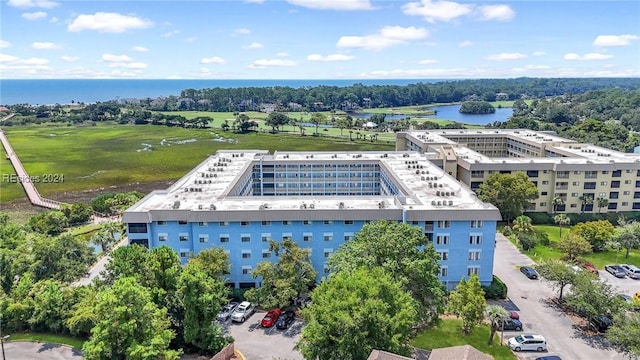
x: 105, y: 22
x: 7, y: 58
x: 333, y: 4
x: 537, y: 67
x: 253, y: 45
x: 496, y: 12
x: 116, y: 58
x: 123, y: 74
x: 329, y: 58
x: 427, y: 61
x: 204, y: 72
x: 34, y: 15
x: 54, y: 19
x: 242, y: 31
x: 212, y: 60
x: 69, y: 58
x: 614, y: 40
x: 47, y: 4
x: 506, y: 56
x: 465, y: 43
x: 539, y: 53
x: 45, y: 46
x: 265, y: 63
x: 171, y: 33
x: 433, y: 11
x: 282, y: 54
x: 589, y: 56
x: 128, y: 65
x: 23, y: 67
x: 138, y: 48
x: 4, y: 44
x: 386, y: 37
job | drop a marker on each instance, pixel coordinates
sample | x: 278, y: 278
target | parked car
x: 550, y: 357
x: 632, y: 271
x: 243, y: 312
x: 514, y: 315
x: 270, y: 319
x: 590, y: 268
x: 529, y: 272
x: 511, y: 324
x: 615, y: 270
x: 227, y: 310
x: 601, y: 323
x: 285, y: 319
x: 528, y: 342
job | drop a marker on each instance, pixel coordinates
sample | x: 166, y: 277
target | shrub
x: 497, y: 289
x: 506, y: 231
x: 543, y: 237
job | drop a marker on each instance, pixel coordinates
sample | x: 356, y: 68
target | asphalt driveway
x: 539, y: 316
x: 25, y: 350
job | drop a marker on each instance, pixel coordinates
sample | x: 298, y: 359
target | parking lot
x: 258, y: 343
x: 539, y: 316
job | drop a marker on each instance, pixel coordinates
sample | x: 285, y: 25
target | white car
x: 631, y: 270
x: 528, y: 342
x: 226, y: 311
x: 243, y: 312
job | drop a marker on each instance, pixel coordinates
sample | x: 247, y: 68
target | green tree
x: 82, y: 316
x: 127, y: 261
x: 522, y: 224
x: 574, y: 245
x: 624, y: 334
x: 203, y: 298
x: 214, y: 261
x: 284, y: 280
x: 558, y: 274
x: 561, y: 220
x: 342, y: 123
x: 467, y: 302
x: 78, y: 213
x: 627, y: 236
x: 495, y: 315
x: 597, y: 233
x: 162, y: 264
x: 65, y: 257
x: 131, y: 326
x: 601, y: 202
x: 594, y: 298
x: 508, y: 192
x: 276, y: 119
x: 317, y: 119
x: 51, y: 222
x: 477, y: 107
x: 355, y: 312
x: 48, y: 307
x: 103, y: 239
x: 557, y: 202
x: 405, y: 253
x: 585, y: 200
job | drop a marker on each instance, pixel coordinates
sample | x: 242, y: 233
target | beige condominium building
x: 586, y: 177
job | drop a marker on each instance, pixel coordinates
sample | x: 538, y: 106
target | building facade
x: 587, y: 178
x: 240, y: 200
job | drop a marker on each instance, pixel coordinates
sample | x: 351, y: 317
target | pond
x: 451, y: 112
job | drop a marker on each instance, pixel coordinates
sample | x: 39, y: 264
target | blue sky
x: 318, y: 39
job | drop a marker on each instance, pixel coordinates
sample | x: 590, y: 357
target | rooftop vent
x: 381, y: 205
x: 200, y: 207
x: 450, y: 202
x: 341, y: 205
x: 212, y: 207
x: 312, y: 206
x: 176, y: 205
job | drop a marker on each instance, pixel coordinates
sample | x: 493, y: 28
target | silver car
x: 243, y: 312
x: 227, y: 310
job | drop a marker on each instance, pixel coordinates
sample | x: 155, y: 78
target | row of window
x: 442, y: 224
x: 589, y: 174
x: 444, y: 271
x: 225, y: 238
x: 474, y: 255
x: 444, y: 239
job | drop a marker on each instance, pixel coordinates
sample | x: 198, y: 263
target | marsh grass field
x: 106, y: 155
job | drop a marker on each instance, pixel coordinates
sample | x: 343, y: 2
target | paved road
x: 258, y: 343
x: 24, y: 350
x: 99, y: 266
x: 529, y: 296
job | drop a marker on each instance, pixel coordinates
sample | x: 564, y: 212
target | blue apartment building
x: 240, y: 200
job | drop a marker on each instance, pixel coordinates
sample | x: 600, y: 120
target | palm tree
x: 522, y: 224
x: 601, y: 202
x: 103, y: 239
x: 561, y: 220
x: 586, y: 200
x: 495, y: 314
x: 557, y: 201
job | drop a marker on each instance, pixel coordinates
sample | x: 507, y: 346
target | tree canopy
x: 510, y: 193
x: 467, y: 301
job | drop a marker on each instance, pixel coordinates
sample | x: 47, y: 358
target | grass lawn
x: 544, y: 253
x: 93, y: 157
x: 449, y: 333
x: 50, y: 338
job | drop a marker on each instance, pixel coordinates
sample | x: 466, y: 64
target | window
x: 184, y: 237
x: 532, y: 173
x: 590, y: 185
x: 476, y: 224
x: 266, y: 254
x: 224, y: 238
x: 328, y: 222
x: 637, y: 183
x: 327, y: 252
x: 543, y: 204
x: 603, y: 183
x: 627, y: 182
x: 616, y: 173
x: 245, y: 223
x: 245, y: 238
x: 543, y: 193
x: 162, y: 223
x: 203, y: 238
x: 202, y: 223
x: 286, y: 222
x: 328, y: 236
x: 473, y: 270
x: 444, y: 224
x: 577, y: 172
x: 574, y: 194
x: 442, y: 240
x: 246, y: 254
x: 613, y: 195
x: 266, y: 223
x: 590, y: 174
x: 307, y: 222
x: 287, y: 236
x: 477, y: 174
x: 137, y: 228
x: 545, y: 182
x: 182, y: 222
x: 348, y: 237
x: 474, y: 255
x: 444, y: 255
x: 348, y: 222
x: 163, y: 237
x: 475, y: 239
x: 625, y: 203
x: 246, y: 270
x: 184, y: 254
x: 307, y: 237
x: 612, y: 206
x: 326, y: 269
x: 444, y: 271
x: 224, y: 223
x: 626, y: 192
x: 576, y: 183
